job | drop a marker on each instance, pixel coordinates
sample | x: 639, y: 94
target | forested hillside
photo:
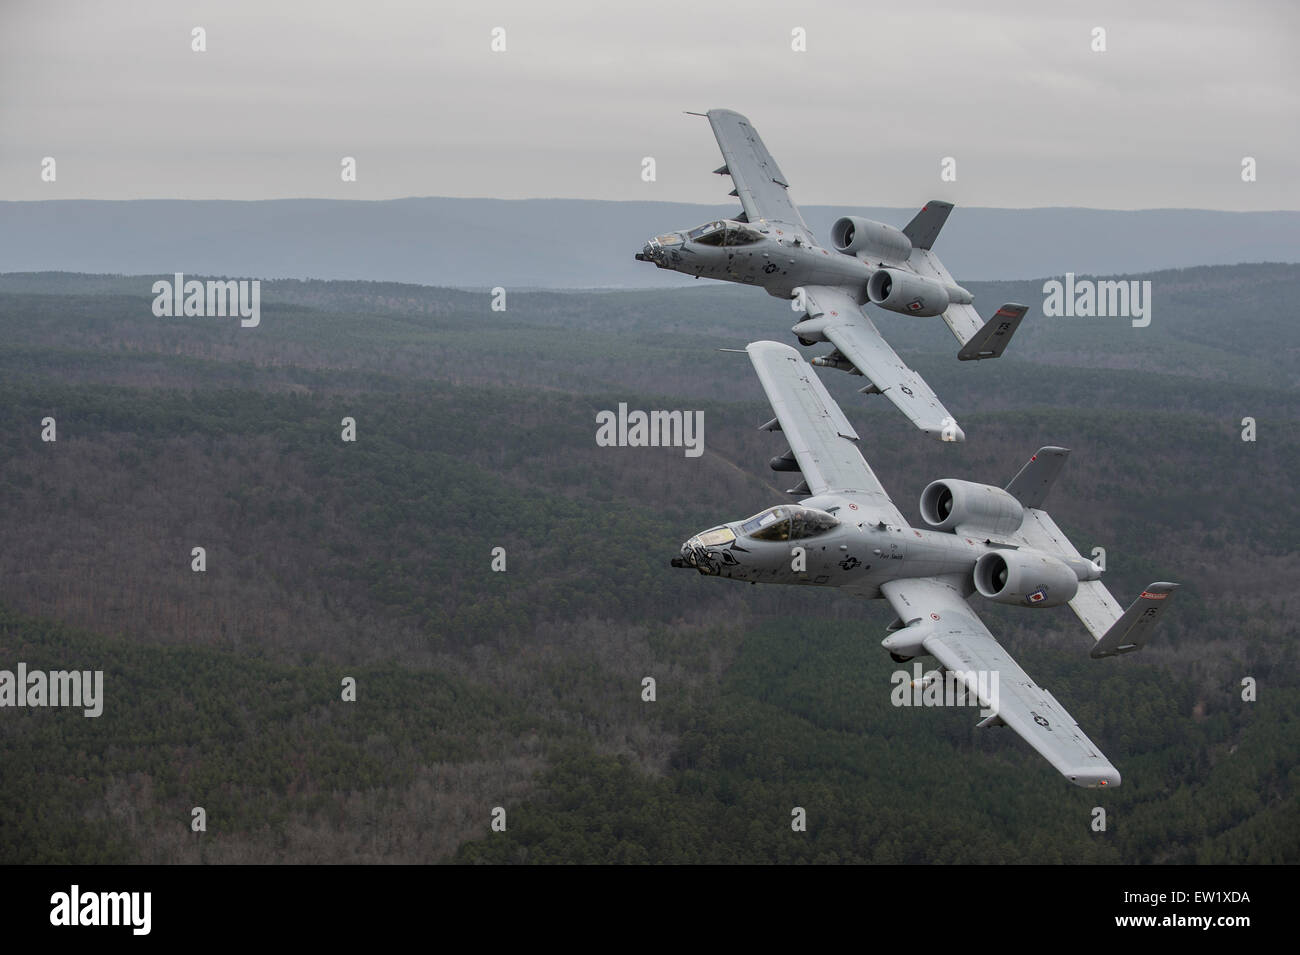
x: 372, y: 559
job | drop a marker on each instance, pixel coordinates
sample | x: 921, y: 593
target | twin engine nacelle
x: 854, y: 235
x: 1025, y: 578
x: 913, y: 294
x: 898, y: 290
x: 948, y: 504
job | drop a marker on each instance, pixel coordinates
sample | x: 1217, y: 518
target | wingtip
x: 760, y: 347
x: 1107, y: 778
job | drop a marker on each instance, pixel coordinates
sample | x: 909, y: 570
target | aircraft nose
x: 697, y: 557
x: 655, y: 249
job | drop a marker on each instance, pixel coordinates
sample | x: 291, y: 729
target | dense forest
x: 478, y: 688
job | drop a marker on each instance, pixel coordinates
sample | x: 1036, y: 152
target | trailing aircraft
x: 995, y: 543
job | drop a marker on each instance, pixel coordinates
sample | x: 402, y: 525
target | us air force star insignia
x: 1042, y: 721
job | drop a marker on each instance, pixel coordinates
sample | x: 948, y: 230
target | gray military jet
x: 769, y: 245
x: 995, y: 542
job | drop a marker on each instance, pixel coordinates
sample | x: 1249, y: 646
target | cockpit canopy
x: 725, y: 232
x: 787, y: 522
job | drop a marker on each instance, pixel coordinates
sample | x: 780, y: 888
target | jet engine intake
x: 854, y: 235
x: 1025, y: 578
x: 912, y: 294
x: 949, y: 504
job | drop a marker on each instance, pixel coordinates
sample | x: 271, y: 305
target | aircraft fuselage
x: 767, y: 257
x: 857, y: 555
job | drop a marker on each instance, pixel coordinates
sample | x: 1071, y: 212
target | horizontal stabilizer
x: 992, y: 340
x: 925, y: 225
x: 1132, y: 629
x: 1035, y: 479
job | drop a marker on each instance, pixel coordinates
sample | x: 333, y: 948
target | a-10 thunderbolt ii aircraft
x: 769, y: 245
x: 995, y: 542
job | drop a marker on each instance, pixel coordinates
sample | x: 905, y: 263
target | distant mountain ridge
x: 577, y: 243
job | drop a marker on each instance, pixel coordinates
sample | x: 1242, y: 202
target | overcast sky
x: 1011, y: 90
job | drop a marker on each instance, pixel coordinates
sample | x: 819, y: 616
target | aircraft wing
x: 760, y: 184
x: 856, y: 337
x: 959, y: 640
x: 822, y: 440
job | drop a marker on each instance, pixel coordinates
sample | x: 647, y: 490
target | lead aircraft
x: 769, y: 245
x: 997, y: 543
